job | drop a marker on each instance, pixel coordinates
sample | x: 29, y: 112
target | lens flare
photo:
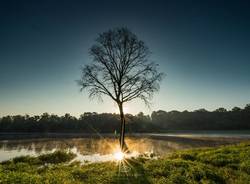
x: 119, y: 156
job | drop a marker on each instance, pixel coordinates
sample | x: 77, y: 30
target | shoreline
x: 187, y: 134
x: 171, y: 136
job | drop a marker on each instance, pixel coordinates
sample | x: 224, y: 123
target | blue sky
x: 202, y: 46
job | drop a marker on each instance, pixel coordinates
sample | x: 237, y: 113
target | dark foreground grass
x: 228, y: 164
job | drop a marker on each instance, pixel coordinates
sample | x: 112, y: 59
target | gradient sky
x: 202, y: 46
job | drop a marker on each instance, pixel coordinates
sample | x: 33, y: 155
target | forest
x: 159, y: 121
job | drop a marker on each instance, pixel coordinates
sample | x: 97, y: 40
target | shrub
x: 56, y: 157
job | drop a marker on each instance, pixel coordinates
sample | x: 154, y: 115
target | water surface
x: 94, y: 149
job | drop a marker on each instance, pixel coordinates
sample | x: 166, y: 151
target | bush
x: 26, y: 159
x: 56, y: 157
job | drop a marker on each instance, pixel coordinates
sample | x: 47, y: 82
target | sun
x: 125, y: 109
x: 119, y: 156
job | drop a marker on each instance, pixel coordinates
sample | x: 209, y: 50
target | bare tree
x: 120, y: 69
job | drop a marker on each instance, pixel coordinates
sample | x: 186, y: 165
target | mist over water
x: 94, y: 149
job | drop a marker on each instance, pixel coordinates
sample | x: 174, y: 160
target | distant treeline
x: 159, y: 121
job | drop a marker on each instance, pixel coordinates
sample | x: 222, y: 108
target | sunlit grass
x: 226, y: 164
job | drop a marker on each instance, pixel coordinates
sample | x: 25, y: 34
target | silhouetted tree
x: 236, y: 109
x: 160, y: 121
x: 120, y: 69
x: 201, y: 110
x: 247, y: 108
x: 221, y: 109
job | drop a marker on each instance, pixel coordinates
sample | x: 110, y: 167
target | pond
x: 97, y: 149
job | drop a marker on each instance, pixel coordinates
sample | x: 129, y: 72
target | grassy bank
x: 228, y: 164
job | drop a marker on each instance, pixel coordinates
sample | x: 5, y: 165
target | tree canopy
x: 120, y: 68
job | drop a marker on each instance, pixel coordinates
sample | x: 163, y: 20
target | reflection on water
x: 102, y: 149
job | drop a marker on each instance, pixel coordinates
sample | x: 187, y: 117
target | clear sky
x: 202, y: 46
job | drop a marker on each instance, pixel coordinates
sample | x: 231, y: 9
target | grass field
x: 227, y: 164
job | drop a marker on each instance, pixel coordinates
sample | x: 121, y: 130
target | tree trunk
x: 122, y: 129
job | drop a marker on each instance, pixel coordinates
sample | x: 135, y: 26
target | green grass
x: 227, y: 164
